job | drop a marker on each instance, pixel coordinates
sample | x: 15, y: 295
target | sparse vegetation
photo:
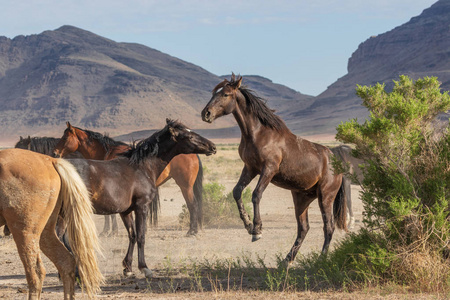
x: 219, y: 209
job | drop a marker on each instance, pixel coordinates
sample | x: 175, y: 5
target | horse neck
x: 90, y: 149
x: 247, y: 121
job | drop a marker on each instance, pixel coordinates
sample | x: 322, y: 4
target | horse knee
x: 237, y: 192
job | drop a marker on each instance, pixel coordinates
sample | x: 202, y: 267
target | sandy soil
x: 168, y: 247
x: 168, y: 244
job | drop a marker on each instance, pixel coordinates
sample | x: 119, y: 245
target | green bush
x: 219, y: 209
x: 406, y: 183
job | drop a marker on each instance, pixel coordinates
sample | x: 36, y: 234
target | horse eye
x: 226, y: 95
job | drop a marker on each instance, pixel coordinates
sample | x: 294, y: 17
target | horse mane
x: 106, y: 142
x: 259, y: 108
x: 44, y: 145
x: 150, y: 146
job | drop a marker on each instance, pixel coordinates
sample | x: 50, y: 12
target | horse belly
x: 296, y: 177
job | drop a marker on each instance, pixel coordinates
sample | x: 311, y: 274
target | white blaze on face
x: 219, y: 90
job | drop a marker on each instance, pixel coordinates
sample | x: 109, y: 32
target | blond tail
x: 77, y: 211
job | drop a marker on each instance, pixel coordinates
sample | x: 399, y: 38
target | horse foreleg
x: 106, y: 227
x: 141, y: 214
x: 114, y: 228
x: 128, y: 260
x: 301, y: 204
x: 264, y: 180
x: 244, y: 180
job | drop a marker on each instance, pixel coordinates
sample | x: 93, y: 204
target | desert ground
x: 168, y: 248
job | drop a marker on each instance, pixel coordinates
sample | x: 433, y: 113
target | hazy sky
x: 304, y: 44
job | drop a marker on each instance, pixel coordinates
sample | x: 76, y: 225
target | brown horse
x: 34, y: 189
x: 185, y: 169
x: 127, y: 184
x: 270, y: 149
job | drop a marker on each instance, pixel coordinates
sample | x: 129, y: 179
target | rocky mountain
x: 418, y: 48
x: 70, y: 74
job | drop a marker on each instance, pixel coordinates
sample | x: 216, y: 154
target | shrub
x: 219, y: 209
x: 406, y: 181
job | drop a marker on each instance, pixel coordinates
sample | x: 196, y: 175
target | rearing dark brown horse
x: 269, y: 149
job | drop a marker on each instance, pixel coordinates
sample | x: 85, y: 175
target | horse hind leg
x: 28, y: 247
x: 326, y: 208
x: 301, y: 204
x: 61, y: 257
x: 188, y: 194
x: 348, y: 199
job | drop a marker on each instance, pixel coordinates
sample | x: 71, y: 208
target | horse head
x: 68, y: 143
x: 188, y: 141
x: 223, y: 100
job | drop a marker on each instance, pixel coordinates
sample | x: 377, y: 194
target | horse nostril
x: 207, y: 114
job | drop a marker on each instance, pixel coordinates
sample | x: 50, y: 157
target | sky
x: 303, y: 44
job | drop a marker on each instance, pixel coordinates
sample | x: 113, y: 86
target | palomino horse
x: 344, y: 153
x: 34, y: 189
x: 185, y: 169
x: 270, y: 149
x: 44, y: 145
x: 127, y: 184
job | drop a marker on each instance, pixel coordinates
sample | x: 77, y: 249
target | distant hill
x: 418, y: 48
x: 70, y: 74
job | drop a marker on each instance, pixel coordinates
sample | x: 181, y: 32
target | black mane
x: 44, y: 145
x: 150, y: 146
x: 145, y: 148
x: 259, y: 108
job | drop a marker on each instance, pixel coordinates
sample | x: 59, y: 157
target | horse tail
x: 77, y: 211
x: 198, y: 193
x: 340, y: 207
x: 154, y: 208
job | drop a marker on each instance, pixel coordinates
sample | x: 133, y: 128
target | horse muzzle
x: 206, y: 116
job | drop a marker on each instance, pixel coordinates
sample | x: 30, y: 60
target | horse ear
x: 237, y: 84
x: 233, y: 77
x: 68, y: 124
x: 21, y: 138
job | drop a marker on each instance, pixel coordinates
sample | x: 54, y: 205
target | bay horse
x: 269, y: 149
x: 127, y: 183
x: 34, y: 190
x: 185, y: 169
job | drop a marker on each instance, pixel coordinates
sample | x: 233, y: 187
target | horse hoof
x: 148, y: 273
x: 191, y: 234
x: 256, y: 237
x: 103, y: 234
x: 127, y: 273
